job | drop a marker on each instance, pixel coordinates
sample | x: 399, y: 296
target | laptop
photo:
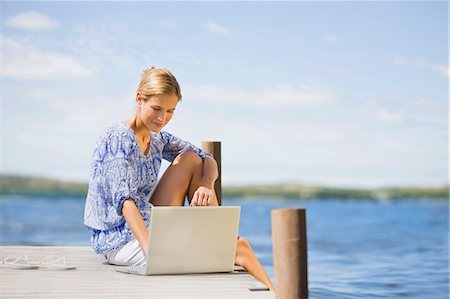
x: 190, y: 240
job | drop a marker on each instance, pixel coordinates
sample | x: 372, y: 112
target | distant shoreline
x: 35, y: 186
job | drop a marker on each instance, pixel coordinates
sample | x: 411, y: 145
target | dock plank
x: 93, y: 278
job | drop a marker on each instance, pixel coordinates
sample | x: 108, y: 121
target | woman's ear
x: 138, y: 98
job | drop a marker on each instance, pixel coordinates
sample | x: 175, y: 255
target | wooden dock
x: 93, y: 278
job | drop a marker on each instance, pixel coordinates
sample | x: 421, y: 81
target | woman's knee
x: 188, y: 159
x: 243, y: 243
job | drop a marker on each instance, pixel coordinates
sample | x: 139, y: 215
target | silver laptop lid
x: 192, y: 239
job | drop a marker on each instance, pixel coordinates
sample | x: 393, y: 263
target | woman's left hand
x: 203, y: 196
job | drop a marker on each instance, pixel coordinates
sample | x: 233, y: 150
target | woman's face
x: 157, y: 111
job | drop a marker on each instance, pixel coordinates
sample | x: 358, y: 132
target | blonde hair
x: 157, y: 81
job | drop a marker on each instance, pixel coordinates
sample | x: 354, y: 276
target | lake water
x: 356, y: 248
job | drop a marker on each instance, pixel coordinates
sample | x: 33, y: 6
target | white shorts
x: 131, y: 254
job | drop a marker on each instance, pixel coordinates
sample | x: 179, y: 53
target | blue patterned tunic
x: 120, y: 171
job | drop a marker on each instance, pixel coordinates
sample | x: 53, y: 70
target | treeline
x: 34, y: 186
x: 307, y: 192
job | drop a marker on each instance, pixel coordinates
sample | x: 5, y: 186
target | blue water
x: 356, y: 249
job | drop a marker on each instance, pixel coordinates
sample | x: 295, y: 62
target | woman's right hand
x: 204, y: 196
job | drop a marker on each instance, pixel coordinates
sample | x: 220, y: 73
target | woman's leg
x: 246, y: 258
x: 182, y: 178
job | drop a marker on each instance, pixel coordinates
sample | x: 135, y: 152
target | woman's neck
x: 138, y: 127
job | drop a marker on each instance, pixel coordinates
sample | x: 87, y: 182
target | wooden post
x: 290, y: 253
x: 213, y: 147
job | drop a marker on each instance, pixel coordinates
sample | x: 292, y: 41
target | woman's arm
x: 136, y: 223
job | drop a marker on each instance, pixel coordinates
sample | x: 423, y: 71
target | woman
x: 124, y: 171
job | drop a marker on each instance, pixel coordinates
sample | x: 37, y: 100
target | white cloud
x: 169, y: 24
x: 341, y: 72
x: 216, y: 28
x: 75, y: 108
x: 400, y: 61
x: 441, y: 69
x: 277, y: 96
x: 387, y: 116
x: 31, y: 20
x: 100, y: 48
x: 24, y: 61
x: 330, y: 38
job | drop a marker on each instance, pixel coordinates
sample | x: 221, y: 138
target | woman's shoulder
x: 119, y: 128
x: 117, y: 139
x: 115, y: 132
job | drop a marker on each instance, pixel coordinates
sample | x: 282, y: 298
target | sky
x: 342, y: 94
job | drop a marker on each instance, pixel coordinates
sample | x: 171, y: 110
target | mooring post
x: 290, y: 253
x: 213, y: 147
